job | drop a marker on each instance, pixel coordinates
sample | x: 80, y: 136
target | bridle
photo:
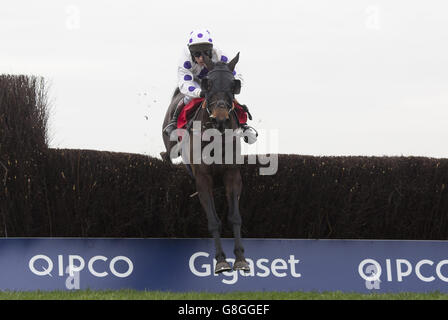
x: 219, y: 103
x: 205, y: 105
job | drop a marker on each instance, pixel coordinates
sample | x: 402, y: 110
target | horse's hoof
x: 241, y: 265
x: 222, y: 267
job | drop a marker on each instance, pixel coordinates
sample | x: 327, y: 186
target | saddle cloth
x: 189, y: 110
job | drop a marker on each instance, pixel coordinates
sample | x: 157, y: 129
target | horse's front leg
x: 233, y: 184
x: 204, y: 185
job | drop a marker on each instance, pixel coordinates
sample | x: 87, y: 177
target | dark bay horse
x: 216, y: 113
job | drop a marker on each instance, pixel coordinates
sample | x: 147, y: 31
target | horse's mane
x: 220, y: 65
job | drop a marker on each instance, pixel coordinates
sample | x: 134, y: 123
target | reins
x: 205, y: 105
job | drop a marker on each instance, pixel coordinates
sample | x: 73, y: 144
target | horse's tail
x: 176, y: 92
x: 165, y: 156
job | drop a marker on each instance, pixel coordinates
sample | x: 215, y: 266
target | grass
x: 158, y: 295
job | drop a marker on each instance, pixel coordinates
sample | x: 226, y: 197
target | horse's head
x: 220, y: 86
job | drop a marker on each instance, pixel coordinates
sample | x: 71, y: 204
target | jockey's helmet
x: 200, y: 41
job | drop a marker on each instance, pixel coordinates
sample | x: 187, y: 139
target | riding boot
x: 172, y: 125
x: 249, y: 133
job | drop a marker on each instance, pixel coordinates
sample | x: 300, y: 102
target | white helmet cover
x: 199, y: 36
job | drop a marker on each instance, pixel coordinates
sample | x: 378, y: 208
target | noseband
x: 219, y: 103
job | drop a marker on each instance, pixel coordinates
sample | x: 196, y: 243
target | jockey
x: 191, y: 70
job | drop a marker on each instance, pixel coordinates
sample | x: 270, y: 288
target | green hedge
x: 83, y: 193
x: 23, y: 144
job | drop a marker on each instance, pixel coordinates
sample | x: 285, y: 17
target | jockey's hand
x: 246, y: 109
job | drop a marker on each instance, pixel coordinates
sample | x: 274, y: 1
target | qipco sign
x: 98, y: 266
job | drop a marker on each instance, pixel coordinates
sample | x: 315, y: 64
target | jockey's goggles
x: 197, y: 54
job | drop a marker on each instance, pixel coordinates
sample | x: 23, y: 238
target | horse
x: 216, y: 113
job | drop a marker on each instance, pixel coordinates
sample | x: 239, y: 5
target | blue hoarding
x: 183, y: 265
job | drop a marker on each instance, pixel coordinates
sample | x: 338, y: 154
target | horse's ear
x: 208, y: 62
x: 236, y: 86
x: 234, y: 61
x: 206, y: 84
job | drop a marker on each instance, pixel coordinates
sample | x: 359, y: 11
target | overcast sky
x: 346, y: 77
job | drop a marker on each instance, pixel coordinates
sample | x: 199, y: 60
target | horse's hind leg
x: 233, y: 184
x: 204, y: 185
